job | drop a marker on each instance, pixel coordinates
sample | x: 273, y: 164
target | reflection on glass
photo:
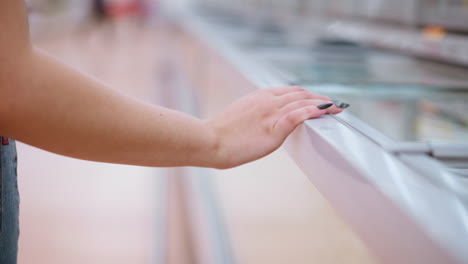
x: 406, y: 98
x: 457, y: 166
x: 356, y: 64
x: 399, y: 95
x: 407, y: 113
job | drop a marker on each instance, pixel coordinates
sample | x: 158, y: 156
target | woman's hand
x: 258, y: 123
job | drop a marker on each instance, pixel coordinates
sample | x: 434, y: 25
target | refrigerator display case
x: 423, y: 101
x: 404, y: 104
x: 394, y: 164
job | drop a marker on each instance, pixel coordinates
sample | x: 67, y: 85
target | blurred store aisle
x: 76, y: 211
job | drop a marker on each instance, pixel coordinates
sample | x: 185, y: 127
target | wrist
x: 215, y: 155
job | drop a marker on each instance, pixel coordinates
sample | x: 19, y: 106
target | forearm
x: 48, y: 105
x: 56, y: 108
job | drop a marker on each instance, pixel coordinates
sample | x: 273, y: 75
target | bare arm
x: 51, y: 106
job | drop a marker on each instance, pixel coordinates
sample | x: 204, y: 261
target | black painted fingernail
x: 341, y: 104
x: 324, y: 106
x: 344, y: 105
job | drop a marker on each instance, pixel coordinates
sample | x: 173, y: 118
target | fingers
x: 309, y: 102
x: 279, y: 91
x: 297, y: 96
x: 286, y: 124
x: 284, y: 90
x: 288, y: 90
x: 295, y: 105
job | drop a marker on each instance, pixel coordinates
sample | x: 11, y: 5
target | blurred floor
x: 76, y: 211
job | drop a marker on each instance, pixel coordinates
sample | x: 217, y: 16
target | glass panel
x: 407, y: 113
x: 457, y: 166
x: 345, y: 62
x: 406, y: 98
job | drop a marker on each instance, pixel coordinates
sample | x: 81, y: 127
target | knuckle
x: 264, y: 91
x: 310, y: 110
x: 297, y: 96
x: 297, y: 87
x: 268, y: 91
x: 312, y: 95
x: 291, y: 118
x: 306, y: 103
x: 321, y: 101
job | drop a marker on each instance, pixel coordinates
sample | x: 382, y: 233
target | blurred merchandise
x: 122, y: 8
x: 99, y: 9
x: 51, y: 15
x: 452, y: 14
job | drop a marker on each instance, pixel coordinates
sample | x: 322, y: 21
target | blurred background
x: 406, y: 59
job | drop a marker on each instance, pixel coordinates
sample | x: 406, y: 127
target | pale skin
x: 47, y: 104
